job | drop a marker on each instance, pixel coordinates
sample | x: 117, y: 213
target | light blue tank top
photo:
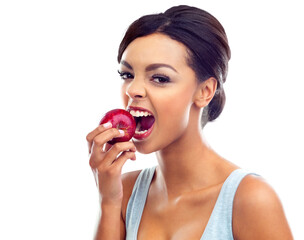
x: 219, y: 226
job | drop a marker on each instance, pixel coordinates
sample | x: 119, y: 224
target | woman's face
x: 158, y: 81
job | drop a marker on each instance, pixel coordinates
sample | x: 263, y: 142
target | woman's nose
x: 136, y: 89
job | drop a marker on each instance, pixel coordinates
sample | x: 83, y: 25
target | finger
x: 101, y: 128
x: 107, y: 147
x: 121, y: 160
x: 104, y: 137
x: 118, y: 148
x: 99, y: 156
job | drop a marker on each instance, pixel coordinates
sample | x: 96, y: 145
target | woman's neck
x: 188, y: 163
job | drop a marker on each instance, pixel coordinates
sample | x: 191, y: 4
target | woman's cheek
x: 124, y: 97
x: 174, y: 112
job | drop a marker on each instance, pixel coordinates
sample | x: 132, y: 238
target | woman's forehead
x: 156, y: 48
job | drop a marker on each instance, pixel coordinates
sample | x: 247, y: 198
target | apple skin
x: 123, y: 120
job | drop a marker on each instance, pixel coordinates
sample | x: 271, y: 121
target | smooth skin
x: 190, y: 173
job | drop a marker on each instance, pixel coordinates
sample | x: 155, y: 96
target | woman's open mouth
x: 144, y: 122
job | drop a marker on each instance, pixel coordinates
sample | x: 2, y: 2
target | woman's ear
x: 205, y: 92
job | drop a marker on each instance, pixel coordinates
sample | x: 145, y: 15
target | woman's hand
x: 107, y: 161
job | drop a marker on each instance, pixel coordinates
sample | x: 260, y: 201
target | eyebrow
x: 151, y: 67
x: 126, y: 64
x: 159, y: 65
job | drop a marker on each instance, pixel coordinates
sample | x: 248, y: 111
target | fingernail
x: 122, y: 133
x: 107, y: 125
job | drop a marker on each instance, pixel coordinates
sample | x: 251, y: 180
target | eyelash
x: 161, y: 78
x: 125, y: 75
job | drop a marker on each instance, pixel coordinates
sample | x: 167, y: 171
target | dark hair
x: 205, y: 39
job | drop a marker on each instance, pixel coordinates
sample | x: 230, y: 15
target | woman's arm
x: 109, y: 213
x: 111, y: 224
x: 106, y: 162
x: 258, y: 212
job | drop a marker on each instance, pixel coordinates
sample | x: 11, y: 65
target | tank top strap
x: 137, y: 202
x: 220, y: 223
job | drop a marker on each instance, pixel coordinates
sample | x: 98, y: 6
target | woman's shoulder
x: 129, y: 179
x: 258, y: 212
x: 253, y: 192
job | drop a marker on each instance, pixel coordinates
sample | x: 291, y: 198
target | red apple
x: 123, y: 120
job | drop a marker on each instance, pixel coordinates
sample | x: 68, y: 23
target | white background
x: 58, y: 76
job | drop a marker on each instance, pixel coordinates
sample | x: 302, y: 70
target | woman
x: 173, y: 67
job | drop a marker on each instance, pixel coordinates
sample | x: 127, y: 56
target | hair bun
x: 216, y: 105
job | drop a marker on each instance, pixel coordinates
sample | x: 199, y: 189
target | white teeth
x: 140, y: 132
x: 140, y: 113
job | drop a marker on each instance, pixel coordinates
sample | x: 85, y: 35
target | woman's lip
x: 144, y: 135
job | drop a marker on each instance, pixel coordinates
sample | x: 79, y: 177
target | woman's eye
x: 160, y: 79
x: 125, y: 75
